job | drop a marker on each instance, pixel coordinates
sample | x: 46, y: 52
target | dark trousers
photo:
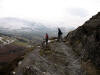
x: 46, y: 42
x: 59, y: 37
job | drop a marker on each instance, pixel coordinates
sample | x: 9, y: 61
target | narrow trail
x: 74, y: 67
x: 61, y: 61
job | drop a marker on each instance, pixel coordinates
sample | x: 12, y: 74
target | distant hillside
x: 27, y: 29
x: 12, y: 49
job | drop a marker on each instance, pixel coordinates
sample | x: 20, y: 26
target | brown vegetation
x: 9, y: 56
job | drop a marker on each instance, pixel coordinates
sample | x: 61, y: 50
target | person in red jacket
x: 46, y: 39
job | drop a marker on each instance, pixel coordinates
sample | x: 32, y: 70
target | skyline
x: 50, y: 12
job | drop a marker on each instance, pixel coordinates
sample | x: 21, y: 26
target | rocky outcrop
x: 85, y: 40
x: 57, y: 59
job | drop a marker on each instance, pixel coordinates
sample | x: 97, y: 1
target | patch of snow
x: 49, y: 41
x: 20, y: 62
x: 38, y: 46
x: 44, y: 72
x: 6, y: 41
x: 12, y: 24
x: 19, y: 24
x: 9, y: 41
x: 0, y: 37
x: 14, y: 73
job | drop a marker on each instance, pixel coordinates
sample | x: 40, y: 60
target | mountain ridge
x: 27, y: 29
x: 85, y: 41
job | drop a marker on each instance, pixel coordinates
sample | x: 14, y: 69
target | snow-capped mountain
x: 28, y: 29
x: 19, y: 24
x: 21, y: 27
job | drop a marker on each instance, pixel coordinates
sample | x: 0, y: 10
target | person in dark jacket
x: 59, y: 34
x: 46, y: 38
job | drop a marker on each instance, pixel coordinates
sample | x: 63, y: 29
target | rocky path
x: 73, y: 62
x: 58, y: 59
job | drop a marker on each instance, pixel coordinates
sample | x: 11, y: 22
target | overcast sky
x: 55, y: 12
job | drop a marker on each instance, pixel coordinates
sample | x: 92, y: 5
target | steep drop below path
x: 57, y: 59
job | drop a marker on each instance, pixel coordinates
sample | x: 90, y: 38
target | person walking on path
x: 59, y: 34
x: 46, y: 38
